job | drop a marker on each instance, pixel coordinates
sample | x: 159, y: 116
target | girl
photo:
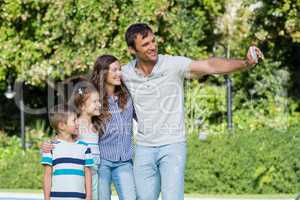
x: 86, y: 100
x: 116, y: 148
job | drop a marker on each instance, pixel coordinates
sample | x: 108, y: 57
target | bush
x: 19, y: 168
x: 263, y: 161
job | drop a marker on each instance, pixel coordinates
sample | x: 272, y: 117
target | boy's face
x: 71, y: 125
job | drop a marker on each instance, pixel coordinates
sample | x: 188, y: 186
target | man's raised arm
x: 222, y: 65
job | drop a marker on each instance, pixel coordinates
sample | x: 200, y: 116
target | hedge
x: 260, y: 162
x: 264, y: 161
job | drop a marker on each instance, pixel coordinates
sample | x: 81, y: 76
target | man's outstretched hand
x: 252, y: 59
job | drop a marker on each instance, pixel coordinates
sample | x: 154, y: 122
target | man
x: 156, y: 85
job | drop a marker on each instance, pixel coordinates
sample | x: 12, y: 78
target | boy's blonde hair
x: 59, y: 114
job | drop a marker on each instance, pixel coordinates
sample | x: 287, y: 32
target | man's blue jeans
x: 160, y: 169
x: 121, y: 174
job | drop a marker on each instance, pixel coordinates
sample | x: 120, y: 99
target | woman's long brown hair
x: 99, y: 76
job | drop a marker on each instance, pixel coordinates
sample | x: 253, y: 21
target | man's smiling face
x: 145, y: 48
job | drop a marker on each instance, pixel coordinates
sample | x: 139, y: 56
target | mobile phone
x: 253, y: 54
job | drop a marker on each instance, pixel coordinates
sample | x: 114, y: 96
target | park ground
x: 37, y: 195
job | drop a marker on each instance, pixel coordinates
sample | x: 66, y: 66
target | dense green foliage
x: 276, y: 27
x: 56, y: 39
x: 263, y: 161
x: 41, y: 39
x: 19, y: 169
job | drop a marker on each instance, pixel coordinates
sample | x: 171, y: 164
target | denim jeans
x: 95, y: 183
x: 160, y: 169
x: 121, y: 175
x: 95, y: 179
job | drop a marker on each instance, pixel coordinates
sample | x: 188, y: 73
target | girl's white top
x: 89, y: 136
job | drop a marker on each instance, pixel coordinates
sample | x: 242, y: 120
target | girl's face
x: 114, y: 74
x: 92, y: 105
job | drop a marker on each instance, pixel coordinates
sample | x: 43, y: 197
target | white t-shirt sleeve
x: 182, y: 65
x: 88, y: 157
x: 47, y: 159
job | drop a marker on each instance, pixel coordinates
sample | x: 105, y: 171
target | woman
x: 117, y: 112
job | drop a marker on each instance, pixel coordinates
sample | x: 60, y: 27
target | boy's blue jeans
x: 121, y: 174
x: 160, y: 169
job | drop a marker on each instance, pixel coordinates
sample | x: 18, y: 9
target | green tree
x: 40, y: 39
x: 277, y: 29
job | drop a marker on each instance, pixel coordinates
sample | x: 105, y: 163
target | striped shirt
x: 116, y: 142
x: 68, y: 161
x: 89, y: 136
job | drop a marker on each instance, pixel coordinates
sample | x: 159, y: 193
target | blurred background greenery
x: 48, y: 39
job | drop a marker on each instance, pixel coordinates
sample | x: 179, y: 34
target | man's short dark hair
x: 135, y: 29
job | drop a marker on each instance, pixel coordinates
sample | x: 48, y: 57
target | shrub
x: 258, y: 162
x: 262, y: 161
x: 19, y: 168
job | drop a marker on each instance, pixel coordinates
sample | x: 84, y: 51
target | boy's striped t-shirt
x: 68, y: 161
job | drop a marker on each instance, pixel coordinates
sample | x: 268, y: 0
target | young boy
x: 67, y: 174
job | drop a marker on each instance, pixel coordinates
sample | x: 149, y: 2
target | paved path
x: 37, y: 196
